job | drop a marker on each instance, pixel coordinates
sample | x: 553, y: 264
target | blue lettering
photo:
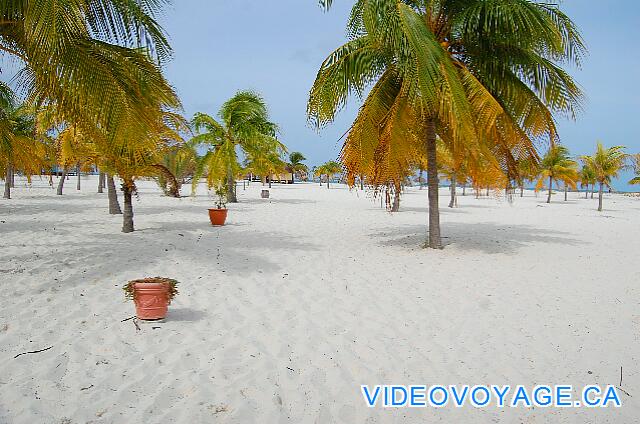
x: 501, y: 394
x: 458, y: 398
x: 585, y: 395
x: 563, y: 392
x: 445, y: 396
x: 474, y: 396
x: 542, y: 400
x: 370, y: 401
x: 520, y: 396
x: 611, y: 395
x: 394, y: 398
x: 418, y: 399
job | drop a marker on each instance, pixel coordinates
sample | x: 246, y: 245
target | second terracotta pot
x: 217, y: 216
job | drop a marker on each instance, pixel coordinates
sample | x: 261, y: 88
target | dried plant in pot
x: 218, y: 215
x: 151, y: 296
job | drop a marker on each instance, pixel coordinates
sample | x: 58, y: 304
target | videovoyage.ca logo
x: 482, y: 396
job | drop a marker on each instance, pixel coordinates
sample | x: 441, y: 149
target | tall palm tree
x: 587, y: 179
x: 606, y: 163
x: 484, y: 76
x: 20, y: 149
x: 557, y: 166
x: 296, y: 165
x: 245, y: 125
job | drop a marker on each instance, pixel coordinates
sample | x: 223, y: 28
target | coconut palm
x: 296, y: 165
x: 635, y: 163
x: 265, y: 159
x: 244, y: 125
x: 20, y: 150
x: 177, y: 166
x: 587, y: 179
x: 484, y: 76
x: 528, y: 170
x: 329, y: 169
x: 91, y: 61
x: 557, y: 166
x: 606, y: 163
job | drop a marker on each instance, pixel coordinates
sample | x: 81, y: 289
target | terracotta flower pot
x: 151, y: 299
x: 217, y: 216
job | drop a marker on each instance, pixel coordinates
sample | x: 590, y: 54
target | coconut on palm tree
x: 244, y: 125
x: 484, y: 76
x: 556, y: 165
x: 606, y: 163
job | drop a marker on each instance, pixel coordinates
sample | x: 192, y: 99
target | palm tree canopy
x: 244, y: 124
x: 91, y: 60
x: 486, y: 72
x: 557, y: 165
x: 606, y: 163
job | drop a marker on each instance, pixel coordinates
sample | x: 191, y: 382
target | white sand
x: 284, y: 312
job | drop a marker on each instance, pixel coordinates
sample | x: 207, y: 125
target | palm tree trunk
x: 521, y: 190
x: 7, y: 182
x: 395, y: 207
x: 101, y: 182
x: 13, y: 177
x: 78, y: 178
x: 231, y: 187
x: 452, y: 189
x: 464, y: 188
x: 565, y: 191
x: 327, y: 180
x: 550, y: 188
x: 114, y: 206
x: 127, y: 216
x: 420, y: 178
x: 361, y: 182
x: 600, y: 193
x: 61, y: 182
x: 434, y: 240
x: 586, y: 192
x: 593, y: 189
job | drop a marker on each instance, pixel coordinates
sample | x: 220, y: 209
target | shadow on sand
x: 485, y: 237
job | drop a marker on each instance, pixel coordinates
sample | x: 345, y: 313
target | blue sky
x: 276, y: 47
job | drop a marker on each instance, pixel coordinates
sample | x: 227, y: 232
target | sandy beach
x: 284, y: 312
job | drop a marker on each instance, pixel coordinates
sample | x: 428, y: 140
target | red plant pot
x: 151, y: 299
x: 217, y: 216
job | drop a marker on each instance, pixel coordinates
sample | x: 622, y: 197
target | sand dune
x: 285, y: 311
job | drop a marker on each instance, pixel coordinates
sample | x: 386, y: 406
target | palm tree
x: 557, y: 166
x: 606, y: 163
x: 295, y: 164
x: 20, y: 150
x: 635, y: 163
x: 528, y: 170
x: 330, y: 169
x: 177, y: 166
x: 587, y: 179
x: 245, y: 125
x: 484, y: 76
x: 91, y: 66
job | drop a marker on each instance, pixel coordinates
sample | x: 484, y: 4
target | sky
x: 276, y: 47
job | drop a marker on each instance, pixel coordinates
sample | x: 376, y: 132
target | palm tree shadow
x: 485, y: 237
